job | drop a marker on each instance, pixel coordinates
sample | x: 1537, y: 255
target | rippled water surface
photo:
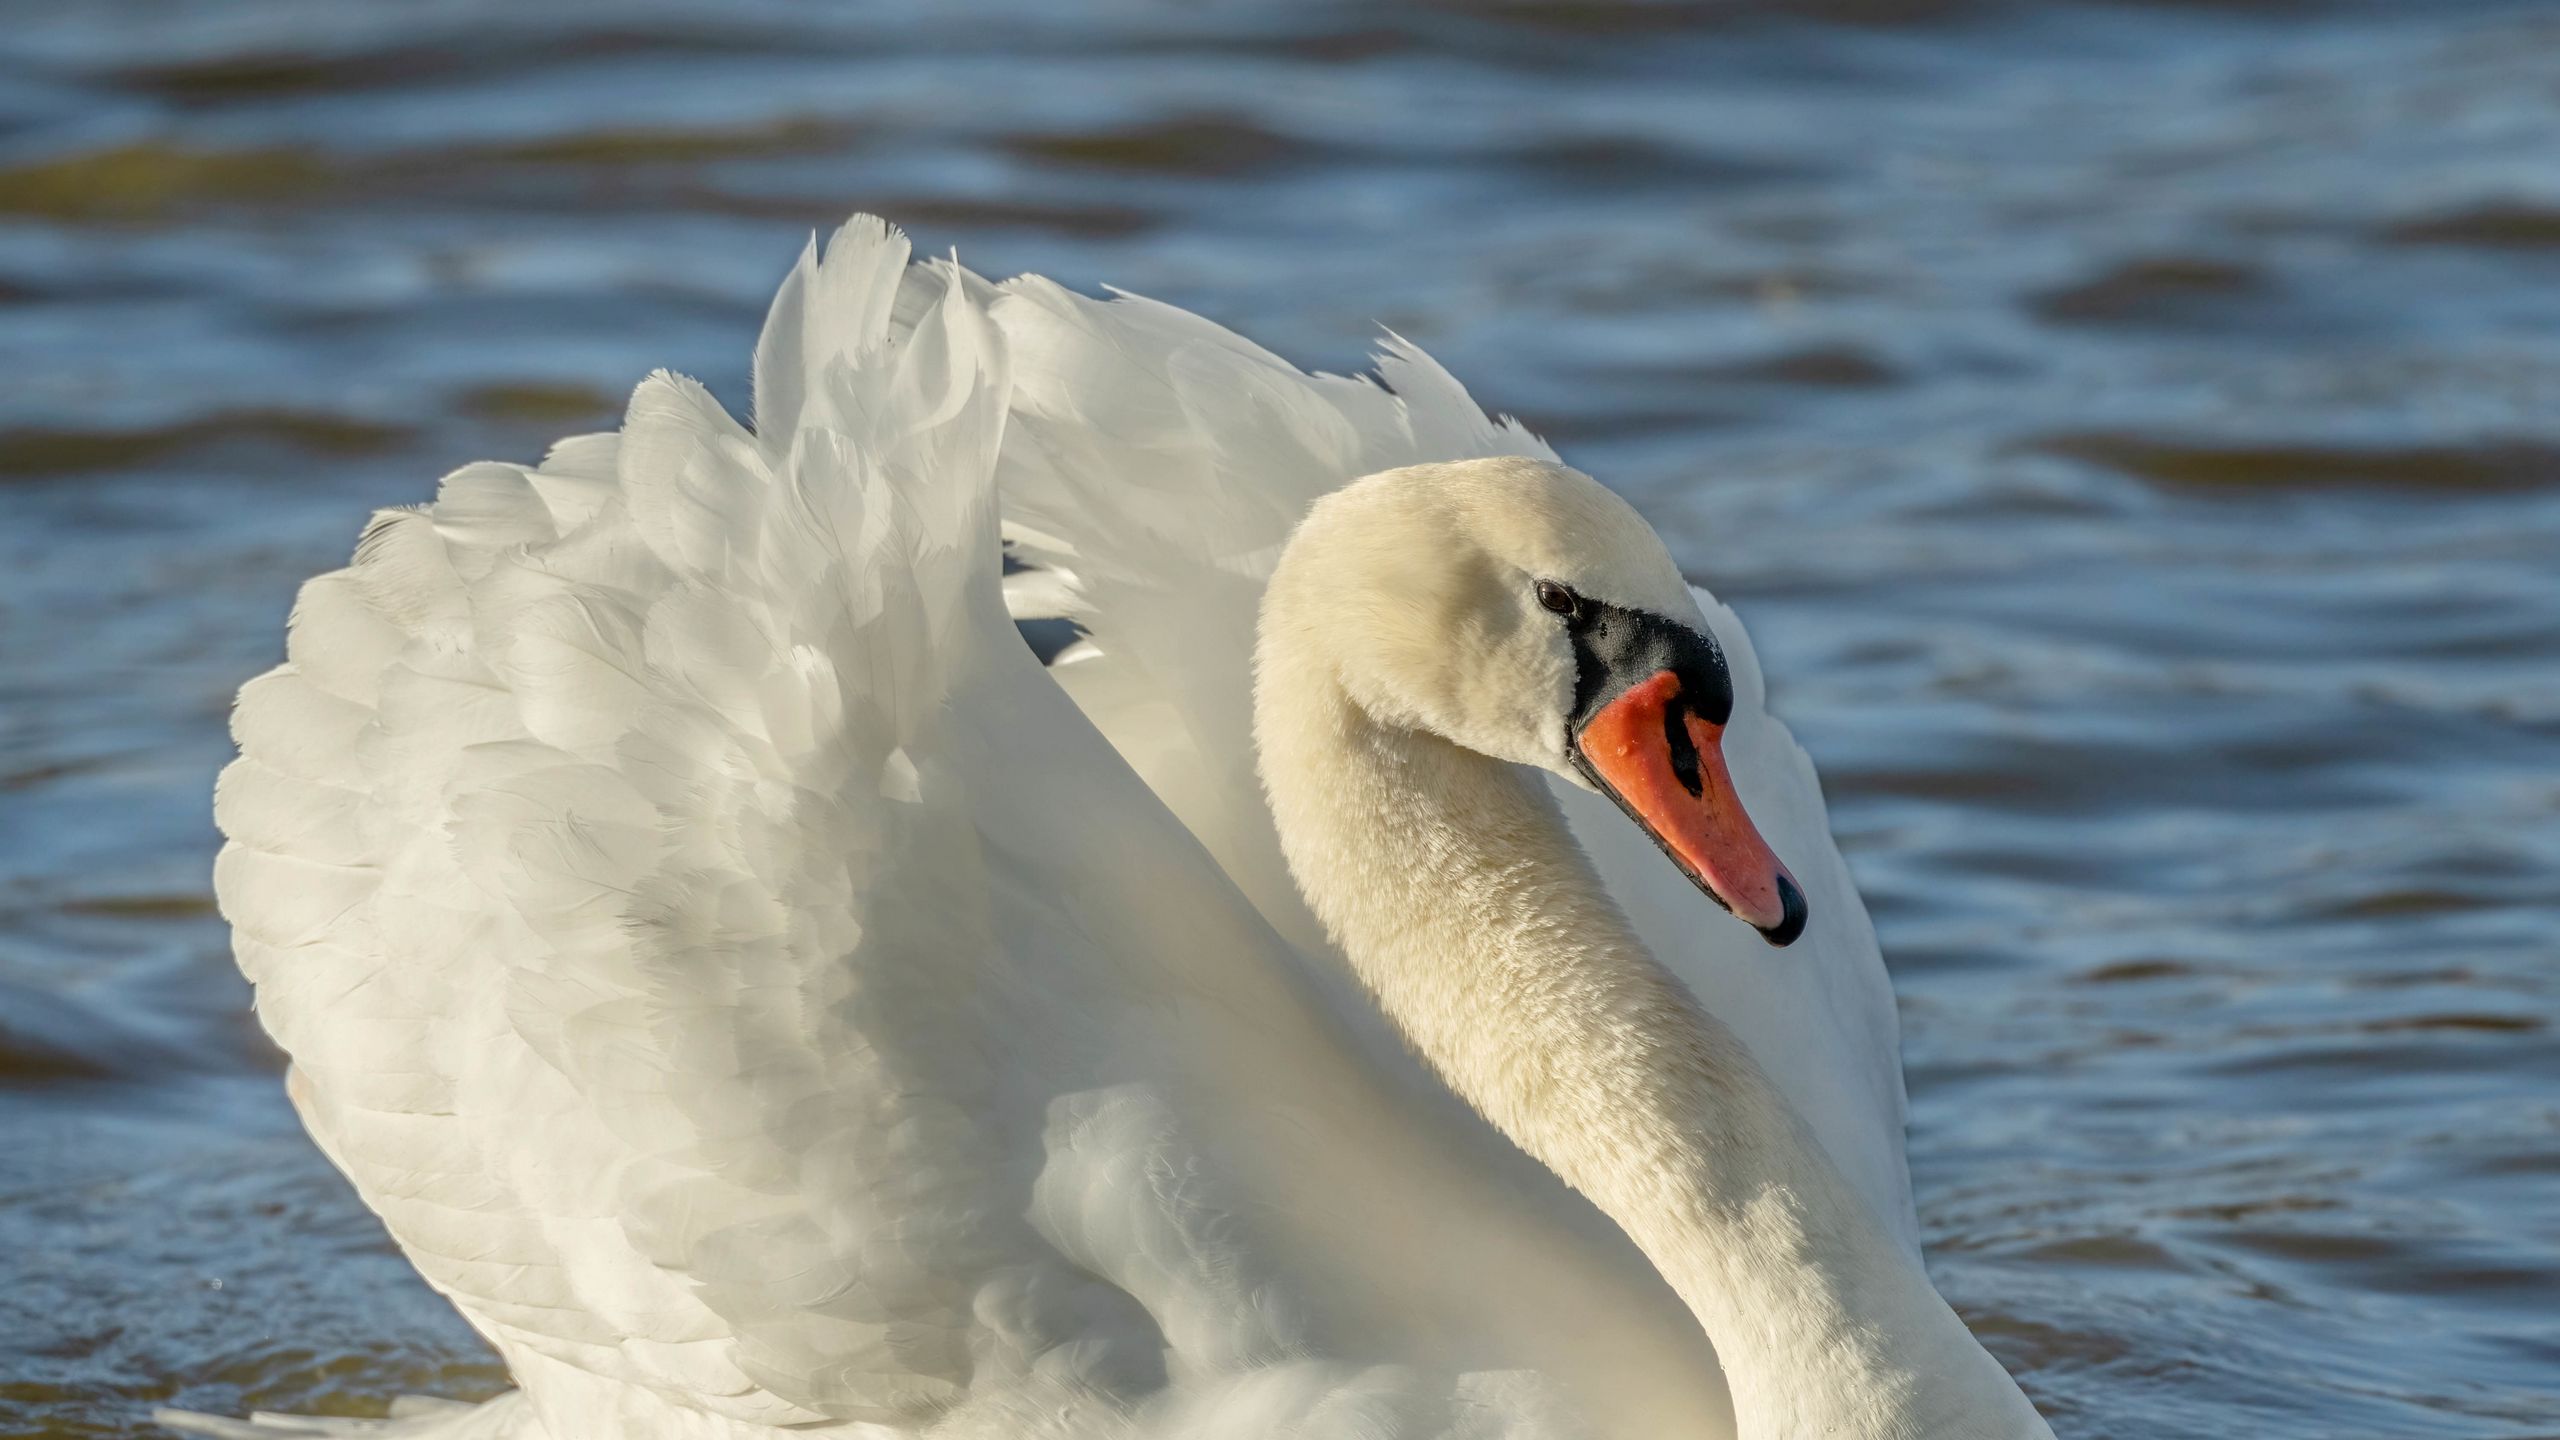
x: 2133, y: 432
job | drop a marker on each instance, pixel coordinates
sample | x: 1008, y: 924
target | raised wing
x: 749, y: 987
x: 1155, y: 467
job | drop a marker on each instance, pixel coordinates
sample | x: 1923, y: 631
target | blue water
x: 2133, y: 433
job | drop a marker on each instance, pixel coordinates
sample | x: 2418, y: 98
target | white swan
x: 767, y: 1001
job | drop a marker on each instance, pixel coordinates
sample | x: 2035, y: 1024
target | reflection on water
x: 2134, y: 432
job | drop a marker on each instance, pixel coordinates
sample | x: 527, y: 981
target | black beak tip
x: 1791, y: 924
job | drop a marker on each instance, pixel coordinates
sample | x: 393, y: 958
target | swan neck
x: 1456, y: 891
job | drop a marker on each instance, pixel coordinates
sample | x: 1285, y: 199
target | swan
x: 767, y: 1000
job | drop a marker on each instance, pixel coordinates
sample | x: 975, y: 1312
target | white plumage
x: 762, y: 996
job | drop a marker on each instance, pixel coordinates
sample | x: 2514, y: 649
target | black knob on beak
x: 1791, y: 921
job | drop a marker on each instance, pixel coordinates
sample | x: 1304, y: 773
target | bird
x: 766, y: 996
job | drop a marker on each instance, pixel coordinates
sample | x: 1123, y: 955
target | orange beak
x: 1664, y: 765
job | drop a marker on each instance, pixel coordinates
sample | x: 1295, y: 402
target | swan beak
x: 1664, y: 765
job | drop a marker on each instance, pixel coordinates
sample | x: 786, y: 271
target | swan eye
x: 1558, y: 598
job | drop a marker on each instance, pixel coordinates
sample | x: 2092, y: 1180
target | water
x: 2133, y: 432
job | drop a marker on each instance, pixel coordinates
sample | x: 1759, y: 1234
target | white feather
x: 763, y: 998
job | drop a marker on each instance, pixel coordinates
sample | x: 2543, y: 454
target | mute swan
x: 767, y: 1001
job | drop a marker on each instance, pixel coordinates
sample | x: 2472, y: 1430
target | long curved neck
x: 1450, y: 881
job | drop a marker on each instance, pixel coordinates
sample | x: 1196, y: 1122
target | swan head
x: 1523, y: 610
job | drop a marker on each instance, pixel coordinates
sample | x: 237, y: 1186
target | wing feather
x: 755, y: 990
x: 1163, y: 464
